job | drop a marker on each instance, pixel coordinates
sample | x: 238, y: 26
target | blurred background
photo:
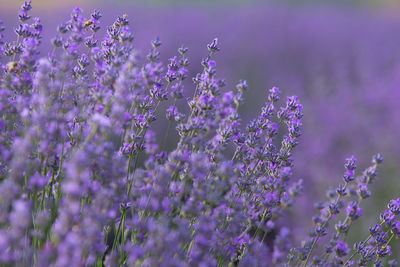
x: 342, y: 58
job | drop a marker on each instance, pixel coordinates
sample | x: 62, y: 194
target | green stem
x: 262, y: 221
x: 355, y: 252
x: 118, y: 230
x: 322, y: 227
x: 13, y: 58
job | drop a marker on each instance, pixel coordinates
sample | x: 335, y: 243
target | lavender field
x: 199, y: 134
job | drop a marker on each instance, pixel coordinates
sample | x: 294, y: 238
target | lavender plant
x: 86, y: 179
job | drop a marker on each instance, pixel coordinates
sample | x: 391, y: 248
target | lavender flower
x: 85, y: 180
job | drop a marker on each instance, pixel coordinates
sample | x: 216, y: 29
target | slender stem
x: 13, y: 58
x: 130, y: 181
x: 259, y: 160
x: 168, y: 128
x: 265, y: 235
x: 322, y: 227
x: 41, y: 206
x: 123, y: 228
x: 61, y: 88
x: 356, y: 252
x: 262, y: 221
x: 128, y: 168
x: 166, y: 136
x: 234, y: 156
x: 118, y: 230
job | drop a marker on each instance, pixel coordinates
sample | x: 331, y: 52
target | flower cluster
x: 85, y: 181
x: 347, y: 197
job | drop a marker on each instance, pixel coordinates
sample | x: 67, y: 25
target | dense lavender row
x: 342, y: 62
x: 87, y: 181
